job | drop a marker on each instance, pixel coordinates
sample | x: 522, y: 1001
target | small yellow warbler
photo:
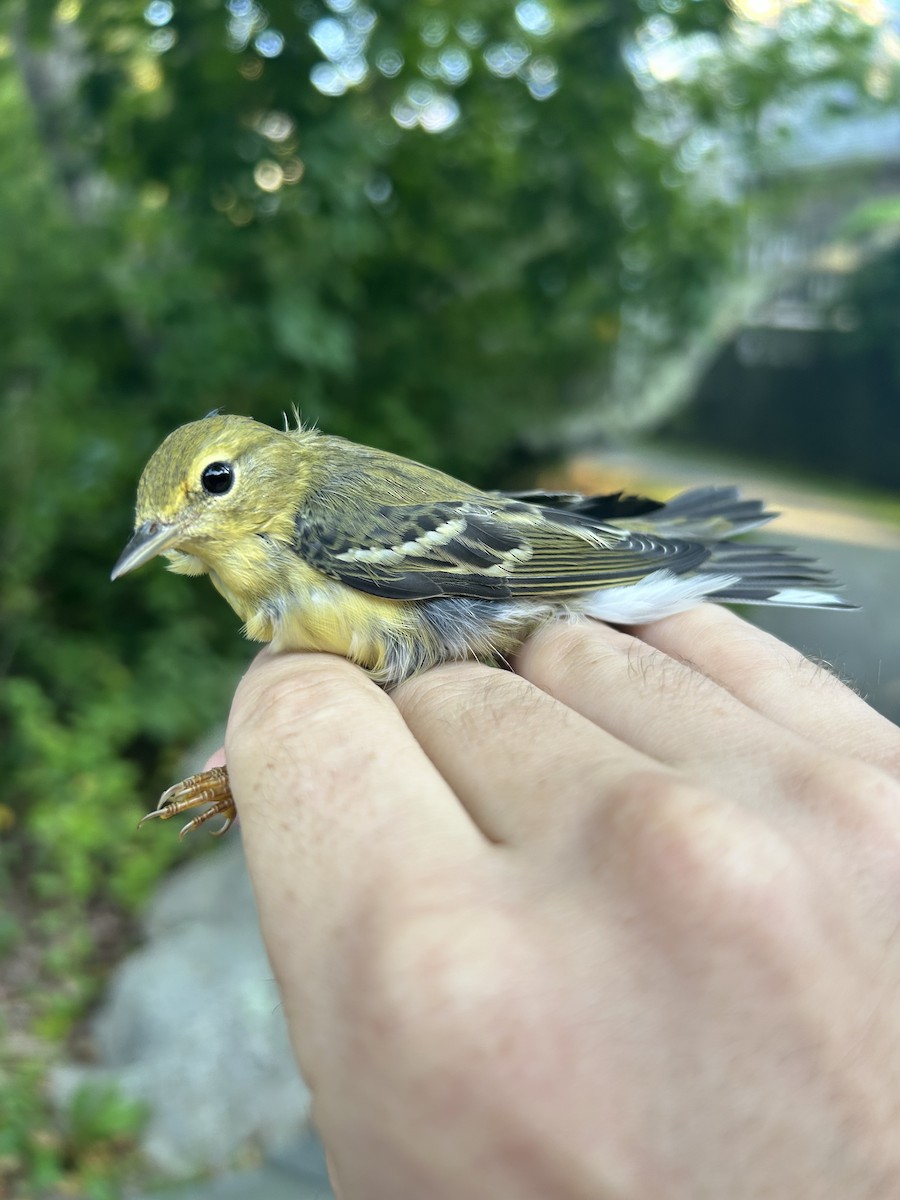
x: 321, y: 544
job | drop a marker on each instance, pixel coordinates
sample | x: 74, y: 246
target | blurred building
x: 810, y: 375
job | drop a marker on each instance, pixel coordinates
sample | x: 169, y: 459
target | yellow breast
x: 284, y: 601
x: 327, y: 615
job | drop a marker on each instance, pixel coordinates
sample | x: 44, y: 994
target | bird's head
x: 209, y: 486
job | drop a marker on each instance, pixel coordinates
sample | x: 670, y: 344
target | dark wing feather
x: 610, y: 507
x: 491, y: 547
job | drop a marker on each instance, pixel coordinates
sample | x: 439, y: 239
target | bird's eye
x: 217, y: 478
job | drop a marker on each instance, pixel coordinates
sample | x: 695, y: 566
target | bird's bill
x: 150, y: 539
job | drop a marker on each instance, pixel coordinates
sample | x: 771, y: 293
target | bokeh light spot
x: 471, y: 31
x: 354, y: 70
x: 159, y: 12
x: 240, y: 214
x: 439, y: 114
x: 506, y: 58
x: 154, y: 195
x: 362, y: 20
x: 434, y: 30
x: 534, y: 18
x: 268, y: 175
x: 247, y: 18
x: 293, y: 170
x: 223, y: 199
x: 405, y: 114
x: 542, y: 77
x: 454, y: 65
x: 161, y: 40
x: 269, y: 43
x: 146, y: 75
x: 276, y: 126
x: 426, y: 107
x: 330, y: 36
x: 764, y: 12
x: 379, y: 188
x: 327, y: 79
x: 389, y: 63
x: 68, y: 11
x: 420, y: 93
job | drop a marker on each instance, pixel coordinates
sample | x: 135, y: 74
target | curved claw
x: 208, y: 788
x: 223, y: 807
x: 150, y: 816
x: 223, y: 828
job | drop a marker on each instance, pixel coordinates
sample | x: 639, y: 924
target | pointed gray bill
x: 149, y: 540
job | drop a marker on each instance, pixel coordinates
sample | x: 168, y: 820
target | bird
x: 319, y: 543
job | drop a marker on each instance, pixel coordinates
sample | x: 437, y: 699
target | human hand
x: 624, y: 923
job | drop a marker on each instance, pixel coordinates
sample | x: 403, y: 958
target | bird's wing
x: 613, y: 506
x: 701, y: 514
x: 487, y: 545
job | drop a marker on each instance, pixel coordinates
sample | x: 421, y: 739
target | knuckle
x: 471, y: 698
x: 446, y: 688
x: 570, y: 649
x: 589, y: 650
x: 693, y: 852
x: 434, y: 974
x: 860, y: 797
x: 301, y: 727
x: 665, y: 675
x: 293, y: 689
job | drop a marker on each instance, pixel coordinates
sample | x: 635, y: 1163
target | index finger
x: 337, y: 801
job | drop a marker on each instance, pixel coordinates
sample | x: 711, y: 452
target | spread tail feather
x: 708, y: 513
x: 759, y: 575
x: 770, y: 575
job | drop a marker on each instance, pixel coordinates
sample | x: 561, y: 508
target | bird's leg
x: 209, y: 787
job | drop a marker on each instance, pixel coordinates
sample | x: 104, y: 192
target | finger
x: 215, y: 760
x: 777, y: 681
x: 522, y: 763
x: 660, y: 706
x: 337, y: 803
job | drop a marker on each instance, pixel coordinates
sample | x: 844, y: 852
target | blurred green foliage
x: 424, y: 224
x: 89, y: 1152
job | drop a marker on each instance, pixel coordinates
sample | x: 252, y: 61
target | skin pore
x: 621, y: 923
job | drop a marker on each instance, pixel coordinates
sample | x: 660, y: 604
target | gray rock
x: 297, y: 1174
x: 192, y: 1026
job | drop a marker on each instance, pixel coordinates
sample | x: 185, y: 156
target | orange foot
x: 209, y: 787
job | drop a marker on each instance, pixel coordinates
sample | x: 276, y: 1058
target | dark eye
x: 217, y: 478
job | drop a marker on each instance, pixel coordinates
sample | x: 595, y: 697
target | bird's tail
x: 732, y: 572
x: 769, y: 575
x: 756, y: 574
x: 705, y: 513
x: 740, y: 572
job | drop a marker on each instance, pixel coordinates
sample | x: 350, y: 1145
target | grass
x: 52, y: 967
x: 89, y: 1150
